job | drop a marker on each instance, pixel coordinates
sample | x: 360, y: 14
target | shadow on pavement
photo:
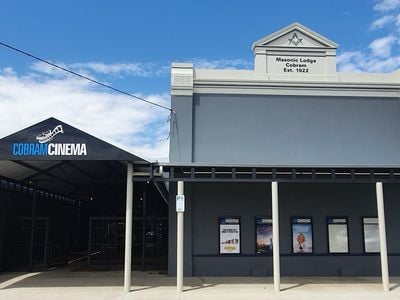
x: 149, y: 280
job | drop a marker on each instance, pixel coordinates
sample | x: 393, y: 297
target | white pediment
x: 295, y: 50
x: 295, y: 36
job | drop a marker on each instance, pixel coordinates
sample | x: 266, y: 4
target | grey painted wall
x: 284, y: 130
x: 181, y: 129
x: 287, y: 130
x: 208, y: 201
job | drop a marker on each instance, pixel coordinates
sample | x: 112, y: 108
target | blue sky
x: 131, y: 44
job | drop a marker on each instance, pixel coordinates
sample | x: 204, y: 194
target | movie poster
x: 229, y: 235
x: 263, y: 235
x: 302, y: 239
x: 337, y: 234
x: 371, y: 235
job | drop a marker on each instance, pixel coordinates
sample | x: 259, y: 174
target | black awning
x: 53, y: 139
x: 59, y: 158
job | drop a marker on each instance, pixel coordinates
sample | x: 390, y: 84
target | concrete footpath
x: 108, y: 285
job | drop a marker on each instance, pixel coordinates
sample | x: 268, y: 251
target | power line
x: 85, y: 77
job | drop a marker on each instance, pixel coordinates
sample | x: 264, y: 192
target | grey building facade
x: 294, y: 110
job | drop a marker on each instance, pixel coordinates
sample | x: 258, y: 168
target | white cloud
x: 120, y: 70
x: 386, y: 5
x: 383, y: 21
x: 357, y: 61
x: 382, y: 47
x: 377, y: 58
x: 133, y: 125
x: 44, y: 68
x: 350, y: 61
x: 382, y: 54
x: 201, y: 63
x: 94, y: 68
x: 389, y: 64
x: 134, y: 69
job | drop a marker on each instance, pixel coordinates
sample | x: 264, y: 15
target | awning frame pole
x: 33, y: 225
x: 179, y: 243
x: 382, y: 237
x: 275, y: 236
x: 128, y: 228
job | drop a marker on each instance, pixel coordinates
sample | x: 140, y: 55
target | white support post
x: 179, y: 244
x: 382, y: 237
x: 128, y: 228
x: 275, y: 237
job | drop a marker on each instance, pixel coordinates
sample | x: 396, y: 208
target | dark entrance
x: 150, y: 243
x: 66, y: 204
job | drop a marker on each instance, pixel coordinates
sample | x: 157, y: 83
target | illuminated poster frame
x: 302, y: 235
x: 263, y: 230
x: 338, y: 234
x: 229, y: 235
x: 371, y: 234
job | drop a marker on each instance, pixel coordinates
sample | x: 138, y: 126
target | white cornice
x: 249, y: 82
x: 297, y: 91
x: 298, y: 87
x: 246, y: 76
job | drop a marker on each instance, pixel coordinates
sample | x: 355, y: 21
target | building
x: 326, y: 139
x: 289, y: 169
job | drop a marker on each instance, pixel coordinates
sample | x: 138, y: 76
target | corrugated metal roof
x: 74, y: 179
